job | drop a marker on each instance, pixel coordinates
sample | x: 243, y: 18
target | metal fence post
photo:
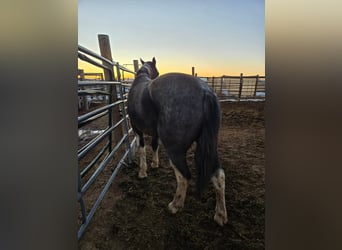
x: 83, y: 98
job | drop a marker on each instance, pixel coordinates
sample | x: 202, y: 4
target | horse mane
x: 143, y: 69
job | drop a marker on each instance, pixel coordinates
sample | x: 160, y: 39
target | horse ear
x: 154, y: 61
x: 142, y: 62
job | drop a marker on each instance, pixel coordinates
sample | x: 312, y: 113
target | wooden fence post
x: 106, y: 52
x: 114, y: 113
x: 256, y: 85
x: 193, y: 71
x: 241, y: 83
x: 136, y: 65
x: 213, y: 82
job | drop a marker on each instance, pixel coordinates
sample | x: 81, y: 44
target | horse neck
x: 144, y: 70
x: 141, y: 78
x: 143, y: 74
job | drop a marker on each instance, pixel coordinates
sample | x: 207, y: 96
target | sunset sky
x: 217, y: 37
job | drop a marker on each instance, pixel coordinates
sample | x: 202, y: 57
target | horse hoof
x: 173, y: 209
x: 142, y: 175
x: 220, y: 219
x: 154, y: 165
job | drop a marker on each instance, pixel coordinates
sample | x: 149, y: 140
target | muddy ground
x: 134, y: 213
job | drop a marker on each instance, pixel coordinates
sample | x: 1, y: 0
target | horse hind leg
x: 142, y: 155
x: 155, y: 147
x: 182, y: 185
x: 218, y: 180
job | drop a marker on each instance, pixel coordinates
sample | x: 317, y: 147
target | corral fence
x: 106, y: 139
x: 104, y: 152
x: 238, y: 88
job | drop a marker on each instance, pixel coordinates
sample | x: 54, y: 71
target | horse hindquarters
x: 206, y: 156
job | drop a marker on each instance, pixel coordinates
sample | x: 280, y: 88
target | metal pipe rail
x: 102, y: 194
x: 93, y: 54
x: 91, y: 83
x: 90, y: 119
x: 87, y: 59
x: 97, y: 140
x: 102, y: 165
x: 117, y: 102
x: 96, y: 158
x: 97, y: 111
x: 128, y: 153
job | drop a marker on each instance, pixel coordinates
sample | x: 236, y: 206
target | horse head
x: 149, y: 68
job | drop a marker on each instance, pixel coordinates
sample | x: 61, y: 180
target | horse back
x: 178, y: 99
x: 178, y: 90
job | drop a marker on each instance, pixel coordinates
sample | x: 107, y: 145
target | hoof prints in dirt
x: 144, y: 220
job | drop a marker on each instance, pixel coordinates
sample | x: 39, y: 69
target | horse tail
x: 206, y: 157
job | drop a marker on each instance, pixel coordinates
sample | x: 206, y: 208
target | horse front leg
x: 218, y: 180
x: 155, y: 147
x: 142, y: 156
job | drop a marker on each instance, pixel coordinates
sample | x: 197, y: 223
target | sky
x: 217, y: 37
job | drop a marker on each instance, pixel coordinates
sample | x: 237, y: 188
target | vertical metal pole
x: 124, y: 115
x: 81, y: 73
x: 119, y: 96
x: 119, y: 76
x: 84, y: 97
x: 80, y: 198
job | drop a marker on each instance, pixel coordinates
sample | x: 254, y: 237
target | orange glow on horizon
x: 88, y: 68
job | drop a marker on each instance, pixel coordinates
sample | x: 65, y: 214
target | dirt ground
x: 134, y: 213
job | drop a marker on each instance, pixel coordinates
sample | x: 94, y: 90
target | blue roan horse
x: 178, y: 109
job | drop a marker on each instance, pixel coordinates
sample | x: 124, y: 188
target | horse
x: 177, y: 110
